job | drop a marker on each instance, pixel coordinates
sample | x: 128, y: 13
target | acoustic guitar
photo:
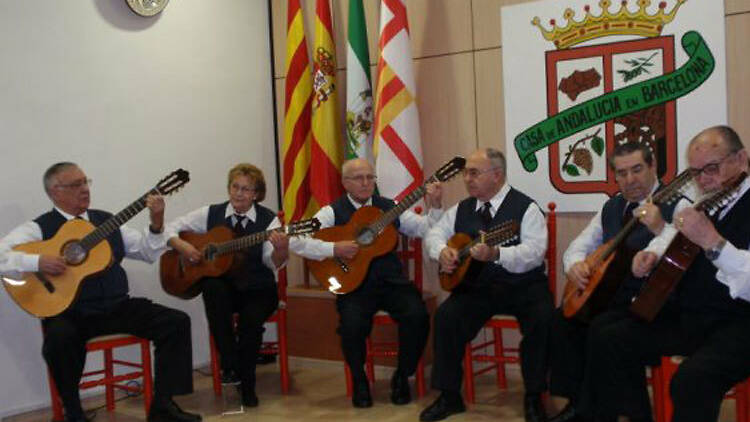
x: 680, y: 253
x: 610, y: 263
x: 371, y: 228
x: 469, y: 268
x: 218, y: 248
x: 85, y: 251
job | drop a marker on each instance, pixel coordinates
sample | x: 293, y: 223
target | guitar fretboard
x: 500, y: 234
x: 243, y: 242
x: 391, y: 215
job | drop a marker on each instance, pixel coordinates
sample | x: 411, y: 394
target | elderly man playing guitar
x: 384, y: 286
x: 103, y: 305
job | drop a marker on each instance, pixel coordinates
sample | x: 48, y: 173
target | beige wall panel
x: 446, y: 112
x: 490, y: 101
x: 439, y: 26
x: 736, y: 6
x: 738, y: 73
x: 487, y: 21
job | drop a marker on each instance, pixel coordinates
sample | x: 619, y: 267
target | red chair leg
x: 657, y: 387
x: 468, y: 375
x: 148, y: 387
x: 348, y: 376
x: 108, y: 374
x: 369, y: 362
x: 741, y: 401
x: 283, y: 352
x: 419, y: 379
x: 57, y: 409
x: 502, y: 380
x: 215, y: 370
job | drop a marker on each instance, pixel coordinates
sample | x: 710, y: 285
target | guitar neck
x: 242, y: 243
x: 491, y: 238
x: 113, y: 223
x: 391, y: 215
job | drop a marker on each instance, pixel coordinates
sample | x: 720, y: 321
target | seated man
x: 512, y: 282
x: 384, y: 287
x: 635, y: 173
x: 249, y: 288
x: 707, y: 318
x: 103, y: 305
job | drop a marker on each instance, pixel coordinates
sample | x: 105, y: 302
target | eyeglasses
x: 363, y: 178
x: 78, y: 184
x: 241, y: 189
x: 710, y: 169
x: 472, y: 173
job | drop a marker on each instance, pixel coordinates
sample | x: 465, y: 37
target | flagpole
x: 274, y: 103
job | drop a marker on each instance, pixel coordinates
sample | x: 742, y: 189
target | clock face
x: 147, y: 7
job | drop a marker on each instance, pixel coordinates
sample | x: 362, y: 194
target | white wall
x: 129, y: 99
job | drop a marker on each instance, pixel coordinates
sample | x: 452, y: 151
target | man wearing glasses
x: 103, y: 306
x: 707, y: 320
x: 249, y: 288
x: 384, y: 287
x: 513, y: 282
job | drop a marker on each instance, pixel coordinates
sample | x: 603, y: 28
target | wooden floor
x: 319, y: 394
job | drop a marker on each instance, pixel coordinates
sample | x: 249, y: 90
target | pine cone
x: 583, y: 159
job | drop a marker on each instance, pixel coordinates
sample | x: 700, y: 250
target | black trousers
x: 405, y: 305
x: 238, y: 351
x: 65, y: 338
x: 717, y: 350
x: 463, y: 314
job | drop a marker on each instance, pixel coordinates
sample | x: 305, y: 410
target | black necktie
x: 238, y: 226
x: 485, y: 213
x: 628, y: 215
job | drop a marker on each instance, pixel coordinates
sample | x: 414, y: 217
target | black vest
x: 386, y: 268
x: 612, y: 216
x: 468, y: 221
x: 248, y: 271
x: 699, y: 291
x: 101, y: 292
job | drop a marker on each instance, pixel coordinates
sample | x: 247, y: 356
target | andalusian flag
x: 297, y: 106
x: 359, y: 114
x: 326, y: 129
x: 397, y: 142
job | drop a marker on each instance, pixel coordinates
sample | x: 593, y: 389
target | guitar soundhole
x: 74, y: 253
x: 366, y: 237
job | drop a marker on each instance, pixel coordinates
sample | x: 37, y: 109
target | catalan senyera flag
x: 297, y: 120
x: 397, y: 142
x: 359, y: 107
x: 326, y: 147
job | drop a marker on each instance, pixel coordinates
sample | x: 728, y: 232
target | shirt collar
x: 251, y: 214
x: 84, y: 215
x: 356, y: 204
x: 496, y: 200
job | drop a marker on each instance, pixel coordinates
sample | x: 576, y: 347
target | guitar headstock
x: 450, y: 169
x: 719, y: 199
x: 673, y: 190
x: 172, y: 182
x: 300, y: 227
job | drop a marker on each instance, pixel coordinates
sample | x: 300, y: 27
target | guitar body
x: 45, y: 296
x: 606, y: 277
x: 667, y: 273
x: 349, y: 274
x: 180, y: 277
x: 467, y: 268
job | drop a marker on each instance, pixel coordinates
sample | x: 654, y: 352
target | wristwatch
x: 713, y: 253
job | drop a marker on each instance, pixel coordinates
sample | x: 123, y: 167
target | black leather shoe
x: 400, y: 393
x: 533, y: 409
x: 445, y: 405
x: 170, y: 412
x: 361, y: 396
x: 568, y: 414
x: 249, y: 398
x: 229, y: 376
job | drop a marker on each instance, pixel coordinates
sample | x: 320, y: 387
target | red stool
x: 663, y: 408
x: 278, y: 347
x: 501, y: 355
x: 410, y: 254
x: 107, y: 375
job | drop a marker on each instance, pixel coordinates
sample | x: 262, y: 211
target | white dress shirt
x: 141, y: 245
x: 197, y: 221
x: 734, y: 261
x: 410, y: 224
x: 520, y: 258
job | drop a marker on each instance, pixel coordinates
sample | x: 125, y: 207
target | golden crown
x: 621, y: 23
